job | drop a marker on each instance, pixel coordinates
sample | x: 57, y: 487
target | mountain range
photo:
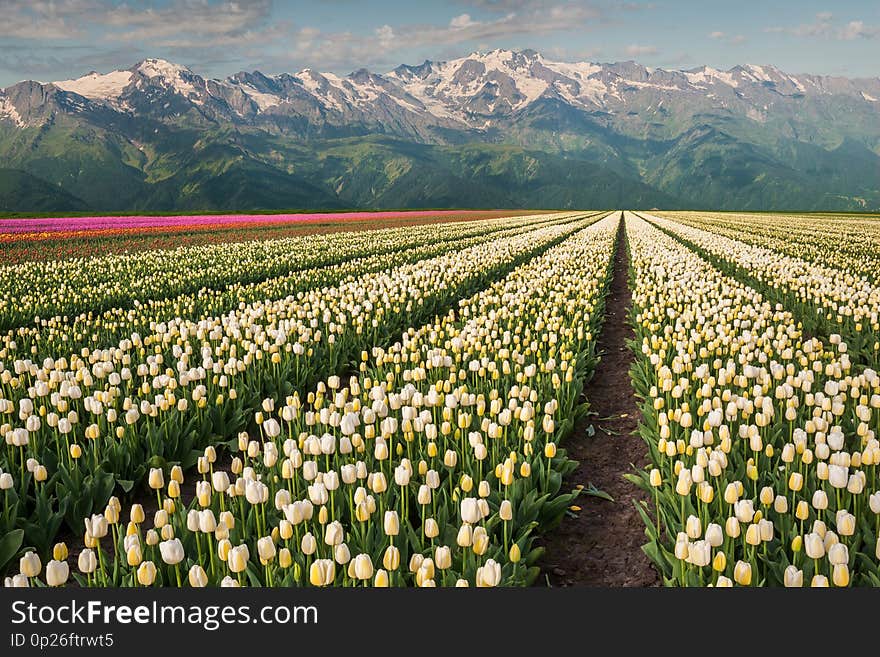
x: 493, y: 129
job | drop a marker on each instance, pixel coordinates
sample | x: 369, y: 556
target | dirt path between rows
x: 601, y: 546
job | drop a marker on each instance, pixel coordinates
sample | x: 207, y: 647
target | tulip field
x: 760, y: 420
x: 390, y: 407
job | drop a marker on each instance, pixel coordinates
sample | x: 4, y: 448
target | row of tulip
x: 64, y: 225
x: 76, y: 429
x: 46, y: 289
x: 828, y: 300
x: 434, y: 466
x: 87, y: 332
x: 762, y: 441
x: 843, y: 241
x: 91, y: 243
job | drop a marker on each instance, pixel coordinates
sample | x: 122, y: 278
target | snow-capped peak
x: 473, y: 91
x: 171, y: 76
x: 153, y: 68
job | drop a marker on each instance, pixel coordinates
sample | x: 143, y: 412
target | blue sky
x: 57, y: 39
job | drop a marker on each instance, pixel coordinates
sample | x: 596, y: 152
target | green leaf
x: 592, y: 491
x: 9, y: 545
x: 125, y: 484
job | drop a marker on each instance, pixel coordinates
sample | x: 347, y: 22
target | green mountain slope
x: 23, y: 192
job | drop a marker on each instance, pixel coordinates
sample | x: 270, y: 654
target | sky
x: 58, y: 39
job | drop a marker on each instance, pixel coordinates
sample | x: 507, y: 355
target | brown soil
x: 601, y: 545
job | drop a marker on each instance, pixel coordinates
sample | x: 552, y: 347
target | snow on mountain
x: 476, y: 91
x: 497, y: 80
x: 708, y: 75
x: 96, y: 86
x: 160, y: 68
x: 758, y: 73
x: 175, y: 77
x: 8, y: 111
x: 323, y: 88
x: 361, y: 91
x: 263, y: 100
x: 579, y: 84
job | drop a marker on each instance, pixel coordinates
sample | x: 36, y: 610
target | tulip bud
x: 431, y: 528
x: 285, y: 558
x: 238, y: 557
x: 266, y: 549
x: 30, y: 565
x: 362, y: 567
x: 470, y: 511
x: 489, y: 574
x: 731, y: 527
x: 793, y: 577
x: 391, y: 523
x: 742, y: 573
x: 381, y: 580
x: 308, y: 544
x: 682, y: 546
x: 198, y: 578
x: 515, y: 554
x: 57, y: 573
x: 693, y: 527
x: 814, y: 546
x: 846, y: 523
x: 134, y: 555
x: 391, y: 558
x: 753, y: 535
x: 156, y: 479
x: 59, y: 552
x: 146, y: 573
x: 87, y: 561
x: 171, y: 551
x: 819, y: 581
x: 322, y: 572
x: 780, y: 504
x: 714, y: 535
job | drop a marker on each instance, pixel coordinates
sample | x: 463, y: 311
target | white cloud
x: 44, y: 20
x: 385, y: 35
x: 464, y: 20
x: 187, y: 18
x: 819, y: 27
x: 824, y: 26
x: 502, y: 5
x: 858, y: 30
x: 334, y: 50
x: 177, y: 20
x: 733, y: 40
x: 636, y: 50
